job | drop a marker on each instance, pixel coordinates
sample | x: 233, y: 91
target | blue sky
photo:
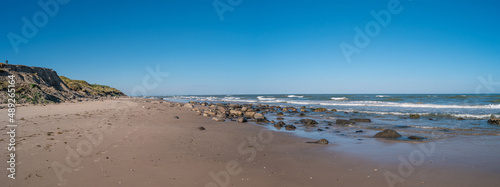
x: 260, y: 47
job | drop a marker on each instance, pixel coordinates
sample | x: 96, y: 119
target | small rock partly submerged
x: 387, y: 133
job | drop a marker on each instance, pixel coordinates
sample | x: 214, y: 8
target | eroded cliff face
x: 38, y: 85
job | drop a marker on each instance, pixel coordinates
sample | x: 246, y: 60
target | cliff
x: 38, y: 85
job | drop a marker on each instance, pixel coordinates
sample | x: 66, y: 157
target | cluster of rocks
x: 494, y: 121
x: 249, y: 112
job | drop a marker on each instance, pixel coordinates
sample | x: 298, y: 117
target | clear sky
x: 275, y: 46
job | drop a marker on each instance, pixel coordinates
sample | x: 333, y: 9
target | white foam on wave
x: 304, y: 102
x: 382, y: 96
x: 298, y: 96
x: 385, y: 113
x: 335, y: 101
x: 467, y: 116
x: 407, y: 105
x: 237, y: 99
x: 472, y: 116
x: 264, y: 98
x: 339, y: 98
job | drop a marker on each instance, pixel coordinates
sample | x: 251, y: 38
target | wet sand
x: 131, y: 142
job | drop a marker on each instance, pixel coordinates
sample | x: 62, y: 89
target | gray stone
x: 308, y: 122
x: 279, y: 124
x: 387, y: 133
x: 290, y: 127
x: 344, y: 122
x: 259, y: 116
x: 242, y: 120
x: 416, y: 137
x: 358, y: 120
x: 494, y: 121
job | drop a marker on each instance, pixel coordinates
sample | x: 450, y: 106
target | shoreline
x: 144, y: 144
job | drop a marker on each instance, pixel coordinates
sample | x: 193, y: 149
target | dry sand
x: 130, y: 142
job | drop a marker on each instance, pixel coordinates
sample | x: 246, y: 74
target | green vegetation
x: 35, y: 98
x: 33, y: 85
x: 29, y: 94
x: 3, y: 85
x: 92, y: 89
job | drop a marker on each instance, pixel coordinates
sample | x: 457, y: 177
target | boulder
x: 414, y: 116
x: 416, y: 137
x: 242, y: 120
x: 280, y: 114
x: 494, y: 121
x: 259, y: 116
x: 344, y: 122
x: 280, y: 118
x: 290, y: 127
x: 334, y: 110
x: 320, y: 110
x: 221, y: 109
x: 308, y: 122
x: 279, y: 124
x: 387, y: 133
x: 290, y: 109
x: 236, y: 112
x: 358, y: 120
x: 250, y: 114
x: 221, y: 115
x: 260, y: 120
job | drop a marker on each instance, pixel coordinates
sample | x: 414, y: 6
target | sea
x: 456, y: 114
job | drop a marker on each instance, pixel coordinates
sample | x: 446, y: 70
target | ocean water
x: 445, y: 113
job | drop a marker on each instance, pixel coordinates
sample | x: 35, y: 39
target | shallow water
x: 438, y: 112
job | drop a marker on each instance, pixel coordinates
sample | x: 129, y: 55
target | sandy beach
x: 234, y: 93
x: 133, y: 142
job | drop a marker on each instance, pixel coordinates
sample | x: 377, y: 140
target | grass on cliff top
x: 93, y: 89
